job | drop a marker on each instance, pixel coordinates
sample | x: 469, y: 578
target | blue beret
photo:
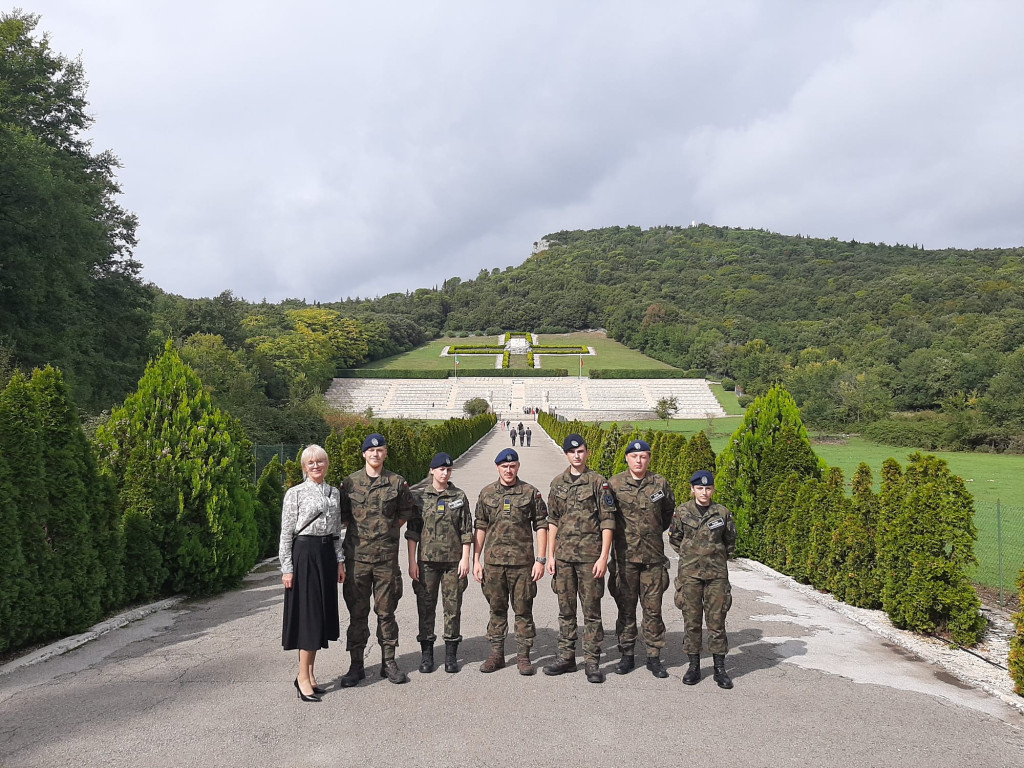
x: 507, y: 455
x: 440, y: 460
x: 702, y: 478
x: 376, y: 440
x: 636, y: 446
x: 572, y: 442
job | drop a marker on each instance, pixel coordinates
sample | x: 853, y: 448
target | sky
x: 321, y: 150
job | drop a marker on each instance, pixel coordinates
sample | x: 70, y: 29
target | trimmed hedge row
x: 639, y: 373
x: 390, y: 373
x: 1017, y: 642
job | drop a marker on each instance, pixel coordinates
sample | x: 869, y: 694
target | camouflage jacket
x: 444, y: 525
x: 645, y: 511
x: 375, y: 507
x: 705, y: 542
x: 581, y: 507
x: 509, y: 515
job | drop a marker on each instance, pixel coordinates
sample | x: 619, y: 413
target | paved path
x: 206, y: 684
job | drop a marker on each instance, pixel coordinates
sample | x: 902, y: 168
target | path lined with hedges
x: 206, y: 683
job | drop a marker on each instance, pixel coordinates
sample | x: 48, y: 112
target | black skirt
x: 311, y: 605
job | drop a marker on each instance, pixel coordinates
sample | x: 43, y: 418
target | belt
x: 317, y: 539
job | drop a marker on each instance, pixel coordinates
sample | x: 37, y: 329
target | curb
x: 904, y: 639
x: 71, y: 642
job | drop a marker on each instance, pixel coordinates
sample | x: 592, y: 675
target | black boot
x: 692, y: 676
x: 355, y: 673
x: 390, y: 670
x: 594, y: 673
x: 427, y: 657
x: 451, y: 656
x: 625, y: 665
x: 561, y: 666
x: 721, y: 676
x: 655, y: 667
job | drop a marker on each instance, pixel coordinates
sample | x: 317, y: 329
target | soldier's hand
x: 551, y: 566
x: 478, y: 572
x: 538, y: 571
x: 463, y: 568
x: 414, y: 570
x: 600, y: 568
x: 341, y: 573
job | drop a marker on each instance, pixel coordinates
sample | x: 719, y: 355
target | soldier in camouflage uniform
x: 704, y: 534
x: 507, y: 513
x: 439, y: 544
x: 379, y: 503
x: 581, y: 518
x: 639, y: 569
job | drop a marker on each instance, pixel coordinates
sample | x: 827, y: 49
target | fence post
x: 999, y: 547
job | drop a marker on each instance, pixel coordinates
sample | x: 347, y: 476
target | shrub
x: 1016, y: 658
x: 926, y: 546
x: 390, y: 373
x: 856, y: 581
x: 184, y: 468
x: 269, y: 500
x: 476, y: 406
x: 745, y: 400
x: 728, y: 385
x: 637, y: 373
x: 492, y: 330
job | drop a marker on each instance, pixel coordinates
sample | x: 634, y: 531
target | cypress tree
x: 829, y: 507
x: 15, y: 588
x: 856, y: 582
x: 79, y: 518
x: 36, y: 614
x: 605, y: 461
x: 269, y: 499
x: 777, y: 523
x: 1016, y: 657
x: 798, y: 529
x: 697, y: 455
x: 183, y: 469
x: 744, y: 485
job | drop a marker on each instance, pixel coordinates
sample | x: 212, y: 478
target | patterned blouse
x: 302, y: 503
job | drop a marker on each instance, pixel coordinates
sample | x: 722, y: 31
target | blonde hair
x: 312, y: 451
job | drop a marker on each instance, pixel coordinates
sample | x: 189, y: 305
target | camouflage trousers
x: 504, y: 584
x: 570, y: 580
x: 443, y: 577
x: 384, y: 582
x: 644, y: 583
x: 713, y: 599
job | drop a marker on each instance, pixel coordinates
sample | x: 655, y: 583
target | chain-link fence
x: 1000, y: 547
x: 266, y: 453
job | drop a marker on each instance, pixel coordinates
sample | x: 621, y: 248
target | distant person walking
x: 512, y: 433
x: 522, y: 434
x: 312, y: 564
x: 529, y: 436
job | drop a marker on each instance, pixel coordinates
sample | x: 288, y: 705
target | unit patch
x: 715, y: 522
x: 658, y: 496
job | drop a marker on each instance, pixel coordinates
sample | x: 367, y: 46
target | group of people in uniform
x: 589, y: 529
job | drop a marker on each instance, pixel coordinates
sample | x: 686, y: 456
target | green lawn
x: 428, y: 358
x: 607, y: 353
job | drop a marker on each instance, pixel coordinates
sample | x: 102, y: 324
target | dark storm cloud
x: 319, y: 150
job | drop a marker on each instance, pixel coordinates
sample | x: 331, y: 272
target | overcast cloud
x: 328, y: 149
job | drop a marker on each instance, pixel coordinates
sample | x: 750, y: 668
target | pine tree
x: 183, y: 470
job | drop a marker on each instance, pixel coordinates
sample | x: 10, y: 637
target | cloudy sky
x: 321, y: 149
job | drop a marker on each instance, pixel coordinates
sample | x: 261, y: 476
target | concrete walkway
x: 205, y: 683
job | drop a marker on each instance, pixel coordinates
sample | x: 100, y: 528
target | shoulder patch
x: 658, y: 496
x: 715, y: 522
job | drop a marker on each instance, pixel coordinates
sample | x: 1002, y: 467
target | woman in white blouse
x: 312, y: 566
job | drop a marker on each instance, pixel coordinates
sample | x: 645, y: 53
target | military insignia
x: 507, y: 505
x: 715, y: 522
x: 456, y: 504
x: 636, y: 446
x: 705, y: 480
x: 574, y: 444
x: 374, y: 442
x: 658, y: 496
x: 440, y: 507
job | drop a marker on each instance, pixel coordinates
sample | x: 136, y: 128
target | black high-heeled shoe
x: 318, y: 690
x: 303, y: 696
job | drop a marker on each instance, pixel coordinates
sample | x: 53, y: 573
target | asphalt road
x: 206, y: 684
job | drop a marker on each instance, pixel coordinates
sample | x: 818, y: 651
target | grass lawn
x: 428, y: 358
x: 607, y: 353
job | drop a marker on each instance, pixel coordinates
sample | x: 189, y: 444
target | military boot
x: 524, y: 665
x: 426, y: 657
x: 625, y: 665
x: 692, y: 676
x: 495, y: 661
x: 594, y: 673
x: 451, y: 656
x: 561, y: 666
x: 721, y: 676
x: 356, y: 671
x: 389, y: 669
x: 655, y: 667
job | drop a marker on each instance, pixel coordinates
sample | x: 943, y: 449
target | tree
x: 666, y: 408
x: 476, y: 406
x: 183, y: 469
x: 70, y: 293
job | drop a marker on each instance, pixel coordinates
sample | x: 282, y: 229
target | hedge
x: 390, y: 373
x: 639, y: 373
x: 1017, y: 642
